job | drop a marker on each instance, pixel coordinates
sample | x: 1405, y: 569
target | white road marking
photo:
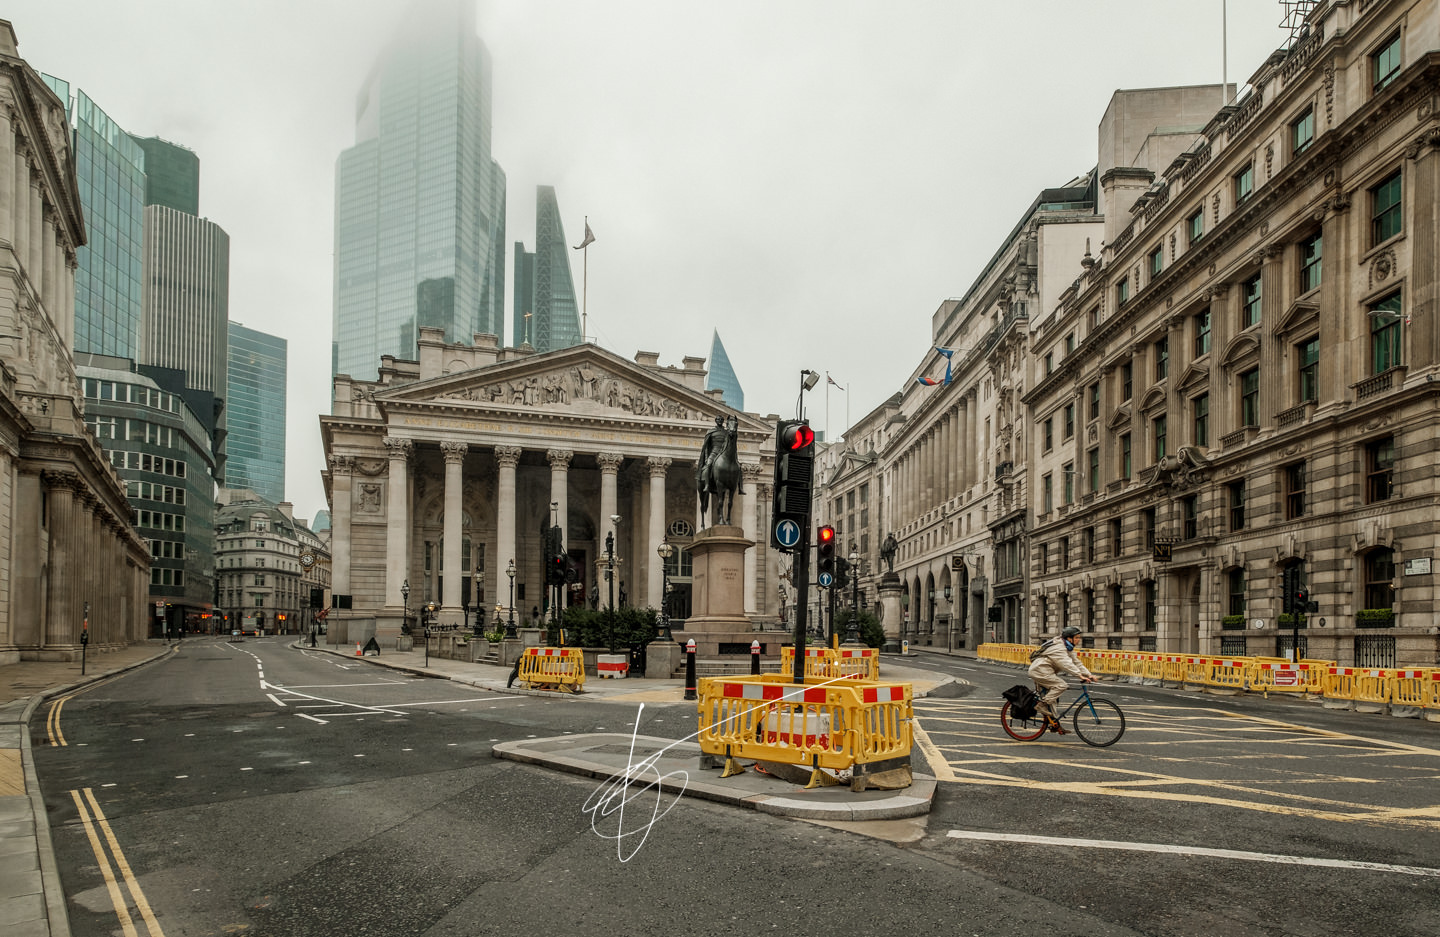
x: 275, y: 699
x: 440, y: 702
x: 1192, y: 851
x: 323, y: 722
x: 328, y: 686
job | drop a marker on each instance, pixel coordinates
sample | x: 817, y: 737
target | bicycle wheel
x: 1100, y: 723
x: 1021, y: 730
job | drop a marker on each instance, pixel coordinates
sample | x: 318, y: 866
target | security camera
x: 614, y: 518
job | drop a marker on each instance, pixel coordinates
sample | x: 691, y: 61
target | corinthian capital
x: 609, y: 461
x: 454, y: 451
x: 559, y: 458
x: 399, y: 448
x: 508, y: 456
x: 658, y: 465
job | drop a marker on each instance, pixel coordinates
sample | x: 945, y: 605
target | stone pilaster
x: 508, y: 459
x: 341, y: 470
x: 61, y: 626
x: 397, y: 520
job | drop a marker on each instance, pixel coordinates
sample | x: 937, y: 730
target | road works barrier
x: 825, y: 662
x: 552, y: 668
x: 859, y: 726
x: 1411, y: 688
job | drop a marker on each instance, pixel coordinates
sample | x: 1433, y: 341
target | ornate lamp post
x: 852, y: 634
x: 666, y: 551
x: 405, y: 597
x: 429, y: 620
x: 510, y: 625
x: 477, y: 582
x: 610, y: 582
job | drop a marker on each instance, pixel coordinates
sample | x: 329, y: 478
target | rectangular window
x: 1302, y: 131
x: 1201, y: 408
x: 1048, y: 494
x: 1069, y: 420
x: 1147, y: 527
x: 1385, y: 64
x: 1150, y: 603
x: 1379, y: 469
x: 1122, y: 292
x: 1310, y: 252
x: 1202, y: 333
x: 1244, y: 183
x: 1070, y: 344
x: 1117, y: 539
x: 1385, y: 221
x: 1068, y: 470
x: 1308, y: 355
x: 1049, y: 428
x: 1162, y: 359
x: 1094, y: 318
x: 1064, y: 552
x: 1094, y: 469
x: 1250, y: 398
x: 1195, y: 226
x: 1157, y: 262
x: 1293, y: 485
x: 1160, y: 427
x: 1250, y: 312
x: 1385, y: 334
x: 1237, y: 592
x: 1049, y: 363
x: 1089, y: 543
x: 1095, y: 401
x: 1190, y: 516
x: 1125, y: 457
x: 1127, y: 375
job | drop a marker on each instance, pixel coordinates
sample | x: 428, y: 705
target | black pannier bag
x: 1023, y: 701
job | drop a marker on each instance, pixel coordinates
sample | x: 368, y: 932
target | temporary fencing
x: 824, y: 662
x: 553, y: 668
x: 1417, y: 688
x: 836, y: 724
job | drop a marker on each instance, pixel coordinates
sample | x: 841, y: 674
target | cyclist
x: 1057, y: 656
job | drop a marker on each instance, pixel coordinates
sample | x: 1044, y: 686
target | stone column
x: 609, y: 470
x: 560, y: 489
x: 340, y: 469
x: 61, y: 626
x: 654, y: 582
x: 7, y: 176
x: 967, y: 458
x: 750, y: 478
x: 20, y: 172
x: 49, y: 275
x: 91, y: 546
x: 397, y: 522
x: 508, y: 460
x: 452, y: 563
x: 35, y: 256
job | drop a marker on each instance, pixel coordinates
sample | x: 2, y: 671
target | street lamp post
x: 405, y: 615
x: 477, y: 581
x: 666, y: 551
x: 610, y: 582
x: 429, y: 620
x: 853, y: 634
x: 510, y: 625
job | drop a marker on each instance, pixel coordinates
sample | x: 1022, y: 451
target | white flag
x: 588, y: 236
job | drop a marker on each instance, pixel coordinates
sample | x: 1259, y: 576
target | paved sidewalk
x: 32, y: 903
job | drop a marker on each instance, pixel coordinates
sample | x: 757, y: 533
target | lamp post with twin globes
x: 510, y: 625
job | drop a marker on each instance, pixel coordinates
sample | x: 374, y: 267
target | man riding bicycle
x: 1057, y: 656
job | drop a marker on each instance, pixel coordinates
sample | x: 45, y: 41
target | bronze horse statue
x: 719, y: 472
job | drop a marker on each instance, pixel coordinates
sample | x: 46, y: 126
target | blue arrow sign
x: 787, y: 533
x: 826, y: 579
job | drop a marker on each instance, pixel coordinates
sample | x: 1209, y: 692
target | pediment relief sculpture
x: 584, y: 386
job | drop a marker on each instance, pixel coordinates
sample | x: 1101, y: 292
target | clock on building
x: 307, y: 559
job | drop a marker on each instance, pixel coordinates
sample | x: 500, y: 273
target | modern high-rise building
x: 172, y: 175
x: 722, y: 375
x: 110, y: 170
x: 548, y: 288
x: 419, y: 202
x: 255, y: 413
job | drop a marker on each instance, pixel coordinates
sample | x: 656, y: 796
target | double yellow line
x: 52, y: 721
x: 122, y: 908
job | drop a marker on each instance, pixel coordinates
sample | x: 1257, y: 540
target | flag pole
x: 585, y: 287
x: 827, y: 406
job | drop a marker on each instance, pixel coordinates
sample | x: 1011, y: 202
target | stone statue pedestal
x: 717, y: 596
x: 892, y: 615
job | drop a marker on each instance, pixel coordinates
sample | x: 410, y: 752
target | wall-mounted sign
x: 1420, y: 566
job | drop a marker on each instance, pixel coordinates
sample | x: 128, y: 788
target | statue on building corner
x: 888, y: 549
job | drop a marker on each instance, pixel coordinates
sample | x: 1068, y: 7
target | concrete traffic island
x: 673, y: 766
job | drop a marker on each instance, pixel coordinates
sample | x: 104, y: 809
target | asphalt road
x: 369, y: 803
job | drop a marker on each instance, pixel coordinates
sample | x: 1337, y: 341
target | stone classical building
x: 1254, y: 358
x: 460, y: 461
x: 70, y: 561
x: 266, y: 564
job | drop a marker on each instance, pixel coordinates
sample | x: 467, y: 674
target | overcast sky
x: 811, y: 178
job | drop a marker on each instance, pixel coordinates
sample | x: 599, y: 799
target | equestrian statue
x: 717, y: 470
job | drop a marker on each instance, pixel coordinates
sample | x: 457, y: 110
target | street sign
x: 787, y: 533
x: 826, y: 579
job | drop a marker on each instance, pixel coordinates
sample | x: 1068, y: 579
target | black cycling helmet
x: 1069, y: 631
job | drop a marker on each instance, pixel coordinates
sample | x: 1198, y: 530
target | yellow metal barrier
x: 1197, y: 670
x: 818, y: 660
x: 552, y: 668
x: 823, y: 724
x: 1432, y: 690
x: 1408, y: 687
x: 860, y: 663
x: 1372, y: 686
x: 1278, y: 675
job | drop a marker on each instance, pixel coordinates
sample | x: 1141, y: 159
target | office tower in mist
x: 419, y: 202
x: 255, y: 413
x: 548, y: 290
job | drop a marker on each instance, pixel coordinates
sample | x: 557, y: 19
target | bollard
x: 755, y: 658
x: 690, y: 670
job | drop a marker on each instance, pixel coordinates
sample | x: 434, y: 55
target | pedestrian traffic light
x: 825, y: 550
x: 794, y: 470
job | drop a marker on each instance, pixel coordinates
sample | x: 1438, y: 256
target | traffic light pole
x: 802, y: 600
x: 834, y: 640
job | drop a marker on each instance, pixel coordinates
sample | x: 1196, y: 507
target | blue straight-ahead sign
x: 787, y: 533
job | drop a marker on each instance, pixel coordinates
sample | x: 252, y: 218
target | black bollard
x: 690, y: 670
x: 755, y: 658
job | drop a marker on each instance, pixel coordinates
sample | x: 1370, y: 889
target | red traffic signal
x: 794, y: 437
x: 825, y: 535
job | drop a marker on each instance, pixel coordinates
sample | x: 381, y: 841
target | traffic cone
x: 357, y: 649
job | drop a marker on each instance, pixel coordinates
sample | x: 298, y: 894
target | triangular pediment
x: 580, y: 381
x: 1118, y: 417
x: 1302, y: 313
x: 1194, y: 376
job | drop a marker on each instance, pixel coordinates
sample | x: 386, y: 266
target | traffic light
x: 794, y: 470
x: 825, y: 550
x: 842, y: 573
x: 1290, y: 589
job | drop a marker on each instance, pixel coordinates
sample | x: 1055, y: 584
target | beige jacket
x: 1054, y: 658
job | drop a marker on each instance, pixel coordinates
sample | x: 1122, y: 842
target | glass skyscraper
x: 722, y: 375
x: 172, y: 175
x: 255, y: 413
x: 419, y: 202
x: 549, y: 288
x: 110, y: 169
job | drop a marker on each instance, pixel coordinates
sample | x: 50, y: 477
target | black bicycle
x: 1097, y: 720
